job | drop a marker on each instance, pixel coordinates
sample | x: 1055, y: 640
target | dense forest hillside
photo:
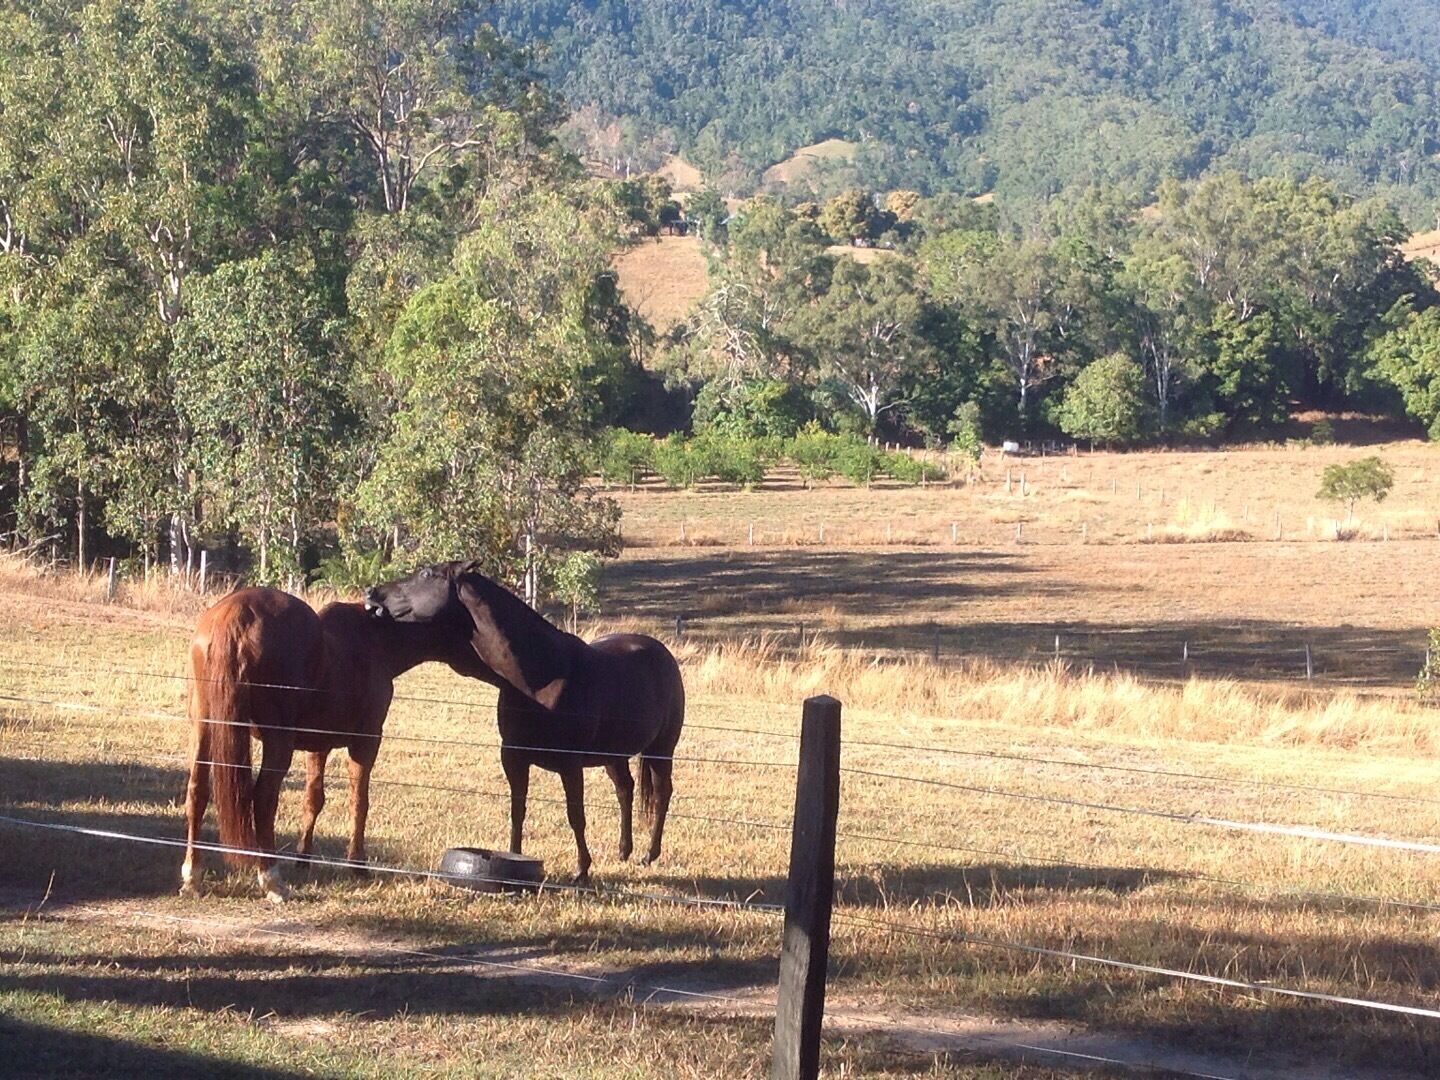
x: 1023, y: 97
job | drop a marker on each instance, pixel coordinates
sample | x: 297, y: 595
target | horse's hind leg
x: 574, y: 780
x: 359, y: 808
x: 314, y: 800
x: 274, y: 764
x: 660, y: 788
x: 517, y: 775
x: 197, y: 798
x: 619, y: 771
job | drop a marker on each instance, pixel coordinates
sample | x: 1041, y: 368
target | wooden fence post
x: 111, y: 582
x: 204, y: 569
x: 800, y: 1005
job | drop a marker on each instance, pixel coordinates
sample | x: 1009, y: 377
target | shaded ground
x: 1249, y: 613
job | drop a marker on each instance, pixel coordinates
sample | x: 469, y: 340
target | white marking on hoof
x: 187, y: 879
x: 276, y: 891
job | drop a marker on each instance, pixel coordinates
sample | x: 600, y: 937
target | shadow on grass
x: 41, y: 1050
x: 88, y: 867
x: 911, y: 603
x: 903, y: 884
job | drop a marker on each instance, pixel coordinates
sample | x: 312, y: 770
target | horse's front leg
x: 574, y: 780
x: 619, y: 770
x: 314, y: 800
x: 274, y: 764
x: 360, y: 766
x: 517, y: 775
x: 197, y: 798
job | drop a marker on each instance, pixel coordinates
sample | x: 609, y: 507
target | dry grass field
x: 1425, y: 245
x: 662, y: 278
x: 983, y: 801
x: 1134, y: 560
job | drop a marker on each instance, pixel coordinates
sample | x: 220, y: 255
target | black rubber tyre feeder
x: 483, y: 870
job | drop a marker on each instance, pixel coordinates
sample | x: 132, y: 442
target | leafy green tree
x: 851, y: 215
x: 258, y: 383
x: 576, y: 580
x: 755, y: 408
x: 496, y: 366
x: 869, y: 330
x: 1244, y: 370
x: 707, y: 209
x: 625, y: 456
x: 1011, y: 291
x: 83, y: 384
x: 965, y: 433
x: 1348, y: 483
x: 426, y: 92
x: 1106, y: 402
x: 859, y: 461
x: 815, y: 452
x: 1408, y: 358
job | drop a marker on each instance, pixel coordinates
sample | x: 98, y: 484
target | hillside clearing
x: 799, y: 166
x: 663, y: 278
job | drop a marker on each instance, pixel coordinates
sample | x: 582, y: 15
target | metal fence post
x: 800, y: 1005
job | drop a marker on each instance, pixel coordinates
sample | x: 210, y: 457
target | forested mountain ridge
x: 1025, y: 97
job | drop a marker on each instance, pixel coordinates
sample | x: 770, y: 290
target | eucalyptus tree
x: 259, y: 384
x: 497, y: 367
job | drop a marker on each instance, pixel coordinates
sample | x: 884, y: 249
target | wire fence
x: 848, y: 917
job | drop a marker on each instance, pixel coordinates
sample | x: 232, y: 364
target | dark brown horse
x: 266, y: 666
x: 565, y: 705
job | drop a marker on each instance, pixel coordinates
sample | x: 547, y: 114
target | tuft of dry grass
x: 1057, y: 695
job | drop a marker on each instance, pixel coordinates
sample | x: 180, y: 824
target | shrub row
x: 681, y: 462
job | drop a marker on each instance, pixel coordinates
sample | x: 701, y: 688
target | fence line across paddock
x: 1144, y: 969
x: 343, y: 736
x: 384, y: 868
x: 1188, y: 819
x: 297, y: 781
x: 1300, y: 831
x: 181, y: 761
x: 623, y: 986
x: 1029, y: 759
x: 843, y: 919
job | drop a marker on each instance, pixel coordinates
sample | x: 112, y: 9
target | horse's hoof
x: 276, y: 891
x: 190, y: 890
x: 582, y: 881
x: 625, y: 853
x: 361, y: 873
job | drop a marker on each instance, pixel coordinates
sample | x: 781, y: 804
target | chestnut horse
x: 266, y: 666
x: 565, y: 705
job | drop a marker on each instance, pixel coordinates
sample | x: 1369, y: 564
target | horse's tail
x: 647, y: 786
x: 227, y: 701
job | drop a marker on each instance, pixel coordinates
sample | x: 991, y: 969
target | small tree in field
x: 1106, y: 402
x: 577, y: 583
x: 1364, y: 478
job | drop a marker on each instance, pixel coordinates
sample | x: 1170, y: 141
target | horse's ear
x: 471, y: 567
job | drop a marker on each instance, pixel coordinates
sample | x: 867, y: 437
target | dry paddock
x: 981, y: 820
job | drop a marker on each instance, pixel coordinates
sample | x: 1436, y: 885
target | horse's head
x: 507, y: 636
x: 429, y: 595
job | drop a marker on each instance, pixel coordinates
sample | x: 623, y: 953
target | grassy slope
x: 663, y: 278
